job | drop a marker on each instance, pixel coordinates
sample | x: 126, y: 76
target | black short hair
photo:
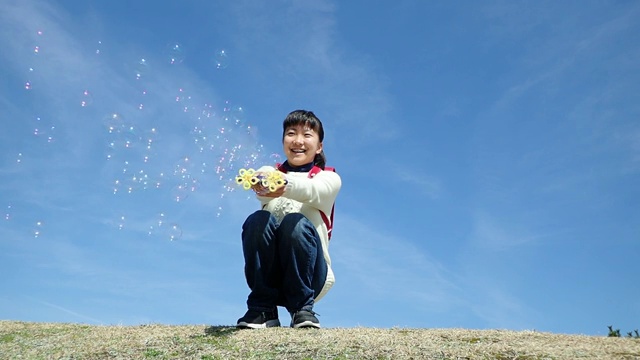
x: 306, y: 118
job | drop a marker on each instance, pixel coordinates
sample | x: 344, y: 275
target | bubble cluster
x: 164, y: 145
x: 28, y: 84
x: 163, y: 230
x: 141, y: 164
x: 44, y: 129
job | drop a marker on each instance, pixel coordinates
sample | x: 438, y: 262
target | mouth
x: 298, y: 151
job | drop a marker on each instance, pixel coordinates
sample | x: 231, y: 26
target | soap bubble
x: 129, y: 136
x: 159, y: 180
x: 8, y: 212
x: 237, y: 114
x: 175, y: 53
x: 180, y: 192
x: 37, y: 229
x: 86, y: 99
x: 175, y: 232
x: 114, y: 122
x: 220, y: 59
x: 161, y: 219
x: 276, y: 158
x: 141, y: 68
x: 116, y: 186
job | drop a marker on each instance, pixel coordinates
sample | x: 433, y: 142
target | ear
x: 319, y: 148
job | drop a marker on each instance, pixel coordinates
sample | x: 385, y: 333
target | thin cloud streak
x: 68, y: 311
x: 313, y: 61
x: 372, y: 257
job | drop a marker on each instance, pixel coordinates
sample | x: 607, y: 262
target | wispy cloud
x: 77, y: 316
x: 425, y: 184
x: 499, y: 308
x: 298, y: 43
x: 385, y: 265
x: 492, y: 235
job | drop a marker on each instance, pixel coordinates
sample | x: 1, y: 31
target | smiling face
x: 301, y: 144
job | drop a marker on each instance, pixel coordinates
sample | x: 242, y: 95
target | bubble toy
x: 247, y: 178
x: 272, y: 180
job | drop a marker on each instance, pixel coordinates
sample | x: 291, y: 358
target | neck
x: 302, y: 168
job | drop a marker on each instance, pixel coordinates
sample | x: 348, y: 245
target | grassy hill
x: 20, y: 340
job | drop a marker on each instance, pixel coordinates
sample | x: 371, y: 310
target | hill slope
x: 20, y: 340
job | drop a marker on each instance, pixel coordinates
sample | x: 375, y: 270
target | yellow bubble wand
x: 247, y: 178
x: 272, y: 180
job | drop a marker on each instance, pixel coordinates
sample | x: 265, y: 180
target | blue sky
x: 489, y: 152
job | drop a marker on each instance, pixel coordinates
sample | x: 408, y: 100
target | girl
x: 286, y: 244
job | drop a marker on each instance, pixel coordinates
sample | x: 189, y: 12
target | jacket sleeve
x: 319, y: 192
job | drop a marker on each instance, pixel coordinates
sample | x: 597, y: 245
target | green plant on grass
x: 616, y: 333
x: 152, y: 353
x: 6, y: 338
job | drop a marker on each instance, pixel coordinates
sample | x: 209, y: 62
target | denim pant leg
x: 261, y: 267
x: 304, y: 268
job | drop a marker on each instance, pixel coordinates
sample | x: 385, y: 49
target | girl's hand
x: 273, y: 194
x: 261, y: 190
x: 264, y: 191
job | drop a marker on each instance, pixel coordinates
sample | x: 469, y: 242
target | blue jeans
x: 284, y: 262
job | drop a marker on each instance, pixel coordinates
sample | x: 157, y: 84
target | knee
x: 291, y: 221
x: 296, y: 227
x: 258, y: 217
x: 258, y: 221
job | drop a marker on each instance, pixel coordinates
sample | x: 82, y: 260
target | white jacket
x: 308, y: 196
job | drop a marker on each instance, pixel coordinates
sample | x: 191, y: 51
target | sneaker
x: 254, y: 319
x: 304, y: 319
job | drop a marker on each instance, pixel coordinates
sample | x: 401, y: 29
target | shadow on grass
x: 220, y: 331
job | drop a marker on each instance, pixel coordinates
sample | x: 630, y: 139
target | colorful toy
x: 272, y: 180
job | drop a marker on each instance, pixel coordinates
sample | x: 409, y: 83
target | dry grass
x: 20, y: 340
